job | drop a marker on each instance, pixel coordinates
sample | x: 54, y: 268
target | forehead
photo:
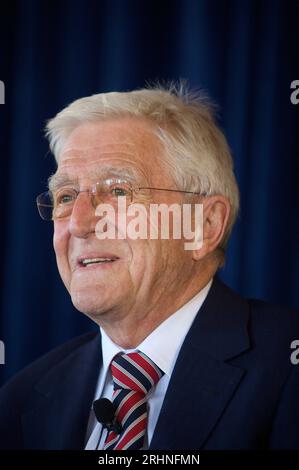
x: 127, y: 142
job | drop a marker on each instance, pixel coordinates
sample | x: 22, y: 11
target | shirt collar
x: 161, y: 351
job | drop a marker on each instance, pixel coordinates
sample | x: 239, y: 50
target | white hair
x: 196, y: 150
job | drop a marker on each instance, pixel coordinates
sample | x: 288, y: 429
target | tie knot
x: 135, y: 371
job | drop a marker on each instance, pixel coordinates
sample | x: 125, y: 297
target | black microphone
x: 105, y: 414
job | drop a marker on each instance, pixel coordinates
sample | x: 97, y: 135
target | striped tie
x: 134, y: 375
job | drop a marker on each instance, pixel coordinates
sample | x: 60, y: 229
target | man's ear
x: 216, y: 210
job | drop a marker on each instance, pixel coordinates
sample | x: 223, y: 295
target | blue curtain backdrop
x: 244, y: 53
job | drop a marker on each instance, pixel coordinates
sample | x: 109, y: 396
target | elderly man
x: 182, y: 361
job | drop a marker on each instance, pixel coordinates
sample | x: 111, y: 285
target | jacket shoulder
x: 25, y: 379
x: 272, y: 331
x: 280, y: 319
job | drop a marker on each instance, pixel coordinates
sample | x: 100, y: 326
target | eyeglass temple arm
x: 172, y: 190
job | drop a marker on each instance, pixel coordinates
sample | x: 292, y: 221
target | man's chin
x: 89, y: 302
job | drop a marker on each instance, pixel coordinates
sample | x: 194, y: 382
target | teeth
x: 87, y: 261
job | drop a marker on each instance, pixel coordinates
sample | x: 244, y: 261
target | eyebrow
x: 59, y: 180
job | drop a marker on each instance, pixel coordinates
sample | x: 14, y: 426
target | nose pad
x: 96, y: 199
x: 83, y: 218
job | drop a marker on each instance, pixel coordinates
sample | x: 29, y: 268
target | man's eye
x: 65, y: 198
x: 118, y: 191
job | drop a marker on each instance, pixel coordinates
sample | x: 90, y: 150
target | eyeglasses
x: 59, y: 204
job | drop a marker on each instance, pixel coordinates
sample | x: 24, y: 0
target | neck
x: 130, y: 329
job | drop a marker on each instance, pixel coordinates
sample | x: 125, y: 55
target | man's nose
x: 83, y: 218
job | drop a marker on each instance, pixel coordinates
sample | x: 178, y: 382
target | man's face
x: 142, y: 270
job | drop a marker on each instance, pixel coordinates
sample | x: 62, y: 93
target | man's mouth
x: 85, y: 262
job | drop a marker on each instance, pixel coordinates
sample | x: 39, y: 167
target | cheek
x: 59, y: 238
x: 146, y: 260
x: 60, y: 243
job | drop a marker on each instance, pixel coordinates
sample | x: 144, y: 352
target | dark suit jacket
x: 233, y: 386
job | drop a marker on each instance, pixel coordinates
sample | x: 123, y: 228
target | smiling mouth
x: 93, y: 261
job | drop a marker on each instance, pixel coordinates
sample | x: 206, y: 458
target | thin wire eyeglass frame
x: 93, y: 191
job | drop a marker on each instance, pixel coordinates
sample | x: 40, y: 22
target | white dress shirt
x: 162, y: 346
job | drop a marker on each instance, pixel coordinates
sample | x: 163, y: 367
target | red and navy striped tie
x: 134, y: 375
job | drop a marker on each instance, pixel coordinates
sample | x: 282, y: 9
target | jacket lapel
x: 202, y: 382
x: 62, y: 401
